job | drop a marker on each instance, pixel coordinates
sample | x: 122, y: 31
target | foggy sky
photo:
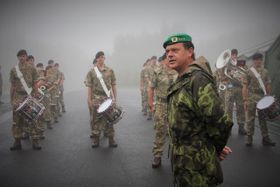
x: 129, y: 32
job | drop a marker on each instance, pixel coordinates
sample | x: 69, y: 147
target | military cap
x: 21, y: 52
x: 40, y: 65
x: 30, y: 57
x: 177, y: 38
x: 99, y: 54
x: 234, y: 52
x: 257, y: 56
x: 50, y: 61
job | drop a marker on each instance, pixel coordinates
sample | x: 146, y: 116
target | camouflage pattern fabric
x: 161, y: 80
x: 30, y: 76
x: 199, y: 127
x: 98, y: 97
x: 255, y: 94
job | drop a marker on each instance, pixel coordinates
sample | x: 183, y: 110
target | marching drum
x: 111, y: 113
x: 31, y: 109
x: 269, y: 107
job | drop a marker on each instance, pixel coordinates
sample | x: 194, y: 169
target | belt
x: 162, y: 100
x: 21, y: 93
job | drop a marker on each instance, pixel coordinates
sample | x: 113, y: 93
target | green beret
x: 177, y: 38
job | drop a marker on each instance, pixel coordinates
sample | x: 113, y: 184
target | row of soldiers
x: 46, y: 86
x: 155, y: 79
x: 196, y: 108
x: 238, y: 86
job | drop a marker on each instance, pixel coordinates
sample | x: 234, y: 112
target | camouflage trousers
x: 143, y: 102
x: 19, y: 124
x: 53, y: 104
x: 60, y: 102
x: 47, y: 113
x: 250, y: 120
x: 161, y: 128
x: 104, y: 126
x: 98, y: 124
x: 235, y: 96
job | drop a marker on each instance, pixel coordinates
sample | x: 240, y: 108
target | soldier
x: 149, y: 73
x: 60, y: 90
x: 1, y: 86
x: 31, y: 60
x: 143, y: 87
x: 53, y: 79
x: 46, y: 100
x: 162, y: 78
x: 18, y: 93
x: 198, y: 126
x: 252, y: 92
x: 233, y: 92
x: 97, y: 95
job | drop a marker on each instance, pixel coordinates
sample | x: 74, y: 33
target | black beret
x: 21, y: 52
x: 99, y: 54
x: 257, y: 56
x: 234, y: 52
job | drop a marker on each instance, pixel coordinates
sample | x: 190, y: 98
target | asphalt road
x: 67, y: 158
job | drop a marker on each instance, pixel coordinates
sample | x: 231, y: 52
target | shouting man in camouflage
x: 198, y: 126
x: 161, y: 80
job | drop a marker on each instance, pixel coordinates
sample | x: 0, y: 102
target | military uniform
x: 233, y: 94
x: 98, y: 97
x: 199, y: 127
x: 60, y: 94
x: 147, y: 110
x: 149, y: 74
x: 143, y: 97
x: 53, y: 77
x: 255, y: 93
x: 18, y: 95
x: 162, y: 78
x: 1, y: 86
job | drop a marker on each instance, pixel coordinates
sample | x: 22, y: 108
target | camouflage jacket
x: 161, y: 79
x: 199, y: 127
x: 254, y: 90
x: 30, y: 76
x: 98, y: 94
x: 53, y: 76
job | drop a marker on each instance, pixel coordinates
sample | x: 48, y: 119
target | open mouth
x: 171, y: 61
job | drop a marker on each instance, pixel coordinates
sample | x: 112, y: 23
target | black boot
x: 16, y: 145
x: 249, y: 141
x: 156, y: 162
x: 35, y: 145
x: 55, y: 120
x: 49, y: 125
x: 268, y: 142
x: 112, y: 142
x: 63, y: 109
x: 95, y: 143
x: 241, y: 130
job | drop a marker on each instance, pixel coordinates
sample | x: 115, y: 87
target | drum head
x: 104, y: 106
x: 265, y: 102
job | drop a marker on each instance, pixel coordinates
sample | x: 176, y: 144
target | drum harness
x: 258, y: 76
x: 23, y: 82
x: 99, y: 76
